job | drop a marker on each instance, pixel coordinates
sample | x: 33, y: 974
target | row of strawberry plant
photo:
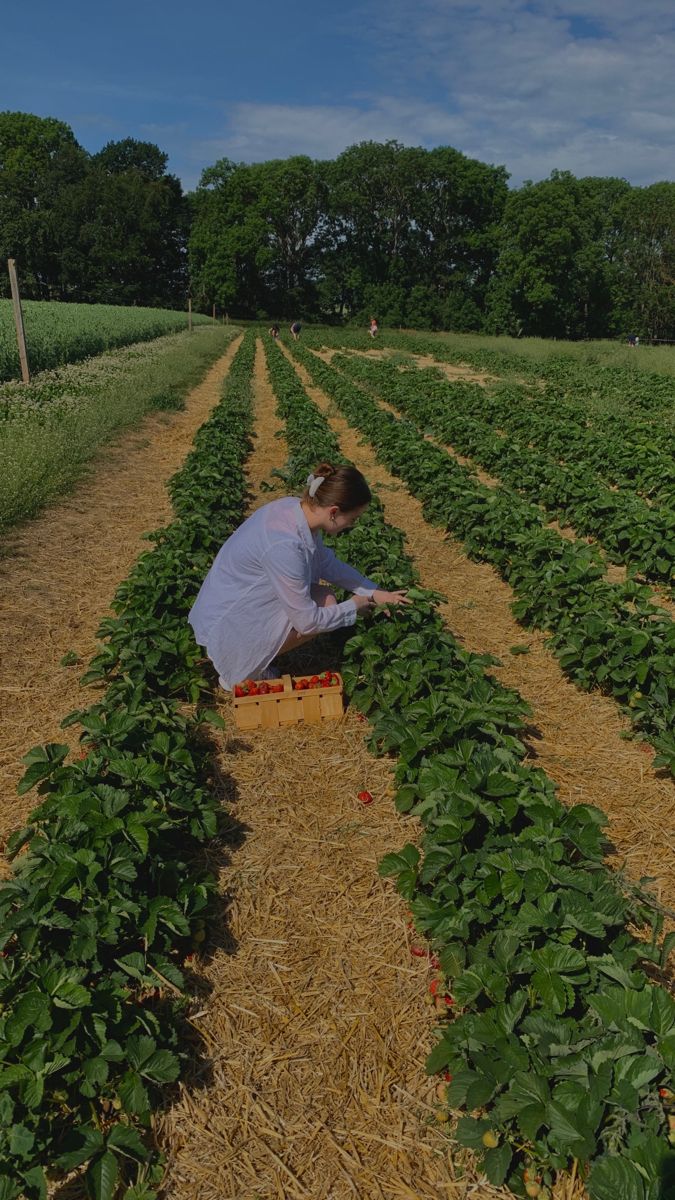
x: 556, y: 1045
x: 627, y: 449
x: 605, y: 635
x: 596, y: 418
x: 618, y: 390
x: 628, y: 529
x: 111, y: 892
x: 626, y: 452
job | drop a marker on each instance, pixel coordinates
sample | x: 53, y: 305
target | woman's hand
x: 400, y: 597
x: 363, y: 604
x: 380, y: 598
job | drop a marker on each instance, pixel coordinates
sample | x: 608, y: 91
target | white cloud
x: 580, y: 85
x: 262, y: 131
x: 573, y: 84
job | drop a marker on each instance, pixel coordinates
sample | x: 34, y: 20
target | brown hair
x: 343, y: 486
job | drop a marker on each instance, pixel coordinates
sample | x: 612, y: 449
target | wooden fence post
x: 213, y: 312
x: 190, y: 315
x: 18, y: 320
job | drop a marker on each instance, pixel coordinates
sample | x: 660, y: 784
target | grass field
x: 50, y: 428
x: 58, y: 333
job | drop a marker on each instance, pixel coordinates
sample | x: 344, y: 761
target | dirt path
x: 316, y: 1024
x: 64, y: 568
x: 577, y: 737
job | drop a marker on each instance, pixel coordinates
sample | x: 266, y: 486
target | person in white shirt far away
x: 263, y: 596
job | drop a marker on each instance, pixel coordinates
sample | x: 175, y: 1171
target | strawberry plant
x: 557, y: 1044
x: 605, y: 635
x: 628, y: 529
x: 109, y: 894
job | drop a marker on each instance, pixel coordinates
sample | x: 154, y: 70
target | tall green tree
x: 413, y: 233
x: 128, y: 223
x: 645, y: 290
x: 257, y: 236
x: 40, y: 162
x: 560, y: 246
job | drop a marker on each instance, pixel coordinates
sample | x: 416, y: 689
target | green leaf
x: 570, y: 1131
x: 161, y: 1067
x: 392, y: 864
x: 614, y: 1178
x: 138, y: 831
x: 497, y: 1162
x: 552, y: 990
x: 21, y: 1141
x: 71, y: 995
x: 530, y: 1120
x: 31, y: 1010
x: 127, y: 1140
x: 133, y: 1094
x: 512, y: 886
x: 37, y: 1181
x: 82, y: 1144
x: 101, y: 1177
x: 482, y: 1089
x: 439, y: 1058
x: 467, y: 987
x: 211, y: 717
x: 470, y: 1132
x: 41, y: 762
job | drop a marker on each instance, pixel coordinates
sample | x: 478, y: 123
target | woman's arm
x: 286, y: 571
x: 333, y: 570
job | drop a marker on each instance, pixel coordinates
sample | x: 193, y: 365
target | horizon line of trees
x: 420, y: 238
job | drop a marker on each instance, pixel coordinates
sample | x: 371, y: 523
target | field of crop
x: 486, y: 830
x: 58, y: 333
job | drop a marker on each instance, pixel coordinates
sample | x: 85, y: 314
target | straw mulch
x: 62, y: 569
x: 315, y: 1025
x: 578, y: 738
x: 452, y: 371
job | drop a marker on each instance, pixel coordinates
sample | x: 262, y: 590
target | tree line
x: 419, y: 238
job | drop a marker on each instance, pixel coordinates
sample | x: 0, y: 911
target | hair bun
x: 325, y: 469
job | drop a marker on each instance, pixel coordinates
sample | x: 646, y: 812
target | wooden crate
x: 288, y: 707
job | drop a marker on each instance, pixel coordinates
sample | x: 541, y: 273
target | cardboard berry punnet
x: 266, y: 704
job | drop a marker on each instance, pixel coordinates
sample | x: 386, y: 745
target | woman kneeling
x: 263, y: 594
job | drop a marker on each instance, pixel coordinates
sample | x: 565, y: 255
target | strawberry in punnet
x: 238, y: 690
x: 263, y: 688
x: 366, y: 797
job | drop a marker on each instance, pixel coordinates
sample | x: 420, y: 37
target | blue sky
x: 582, y: 85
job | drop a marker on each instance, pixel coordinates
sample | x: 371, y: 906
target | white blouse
x: 258, y: 590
